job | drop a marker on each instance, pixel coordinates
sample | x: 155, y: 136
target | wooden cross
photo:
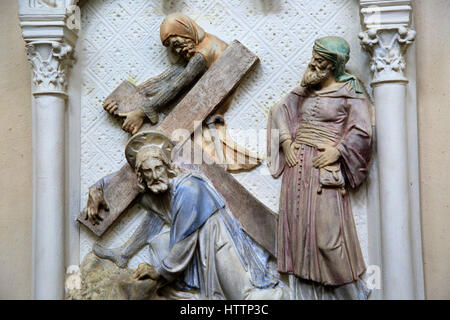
x: 212, y: 89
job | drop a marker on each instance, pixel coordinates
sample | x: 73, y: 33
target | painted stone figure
x: 320, y: 139
x: 199, y: 105
x: 197, y: 244
x: 197, y: 50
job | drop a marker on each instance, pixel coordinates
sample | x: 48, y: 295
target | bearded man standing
x: 323, y: 129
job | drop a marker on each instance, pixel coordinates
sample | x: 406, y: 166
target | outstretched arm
x: 154, y: 85
x: 108, y: 198
x: 195, y: 67
x: 96, y: 200
x: 174, y: 264
x: 135, y: 119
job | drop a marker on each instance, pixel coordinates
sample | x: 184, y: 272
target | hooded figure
x: 204, y: 50
x: 337, y: 50
x: 317, y: 238
x: 208, y: 45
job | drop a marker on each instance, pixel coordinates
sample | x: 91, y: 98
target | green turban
x: 337, y: 50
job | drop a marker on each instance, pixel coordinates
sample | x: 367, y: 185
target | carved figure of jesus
x: 206, y: 251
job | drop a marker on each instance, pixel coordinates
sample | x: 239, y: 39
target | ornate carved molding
x: 43, y: 4
x: 50, y: 35
x: 387, y: 37
x: 384, y: 14
x: 50, y: 71
x: 46, y: 3
x: 50, y: 40
x: 387, y: 49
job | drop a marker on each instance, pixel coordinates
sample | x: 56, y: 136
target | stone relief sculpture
x: 197, y: 246
x: 170, y: 84
x: 197, y: 50
x: 122, y: 28
x: 324, y: 128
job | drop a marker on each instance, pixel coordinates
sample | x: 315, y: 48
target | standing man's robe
x: 317, y: 238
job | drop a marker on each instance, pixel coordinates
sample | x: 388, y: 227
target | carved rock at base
x: 103, y: 280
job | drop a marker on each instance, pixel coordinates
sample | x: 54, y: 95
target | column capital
x: 50, y: 67
x: 386, y: 38
x: 385, y: 14
x: 387, y: 49
x: 49, y: 28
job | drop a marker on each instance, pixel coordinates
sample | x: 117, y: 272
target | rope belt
x: 313, y: 135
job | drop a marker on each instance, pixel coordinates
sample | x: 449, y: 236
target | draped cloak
x: 317, y: 238
x: 193, y: 202
x: 203, y: 237
x: 199, y: 218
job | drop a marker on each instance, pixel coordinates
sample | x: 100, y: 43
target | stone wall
x: 433, y: 68
x: 15, y: 159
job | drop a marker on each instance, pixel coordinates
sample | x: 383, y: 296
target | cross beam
x: 212, y: 89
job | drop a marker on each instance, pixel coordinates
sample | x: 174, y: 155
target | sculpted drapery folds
x: 324, y: 129
x: 197, y: 246
x: 198, y: 50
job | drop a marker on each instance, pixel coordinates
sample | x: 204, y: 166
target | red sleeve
x: 356, y: 144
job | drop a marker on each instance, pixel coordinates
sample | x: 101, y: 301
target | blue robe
x: 193, y: 202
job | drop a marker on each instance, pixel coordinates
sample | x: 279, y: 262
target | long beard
x: 158, y: 186
x: 188, y: 51
x: 314, y: 77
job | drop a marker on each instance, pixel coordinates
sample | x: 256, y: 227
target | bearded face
x: 183, y: 47
x: 155, y: 175
x: 319, y: 69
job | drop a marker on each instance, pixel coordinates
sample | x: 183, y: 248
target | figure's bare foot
x: 113, y: 254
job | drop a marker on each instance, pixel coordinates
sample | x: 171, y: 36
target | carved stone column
x: 386, y: 39
x: 49, y: 46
